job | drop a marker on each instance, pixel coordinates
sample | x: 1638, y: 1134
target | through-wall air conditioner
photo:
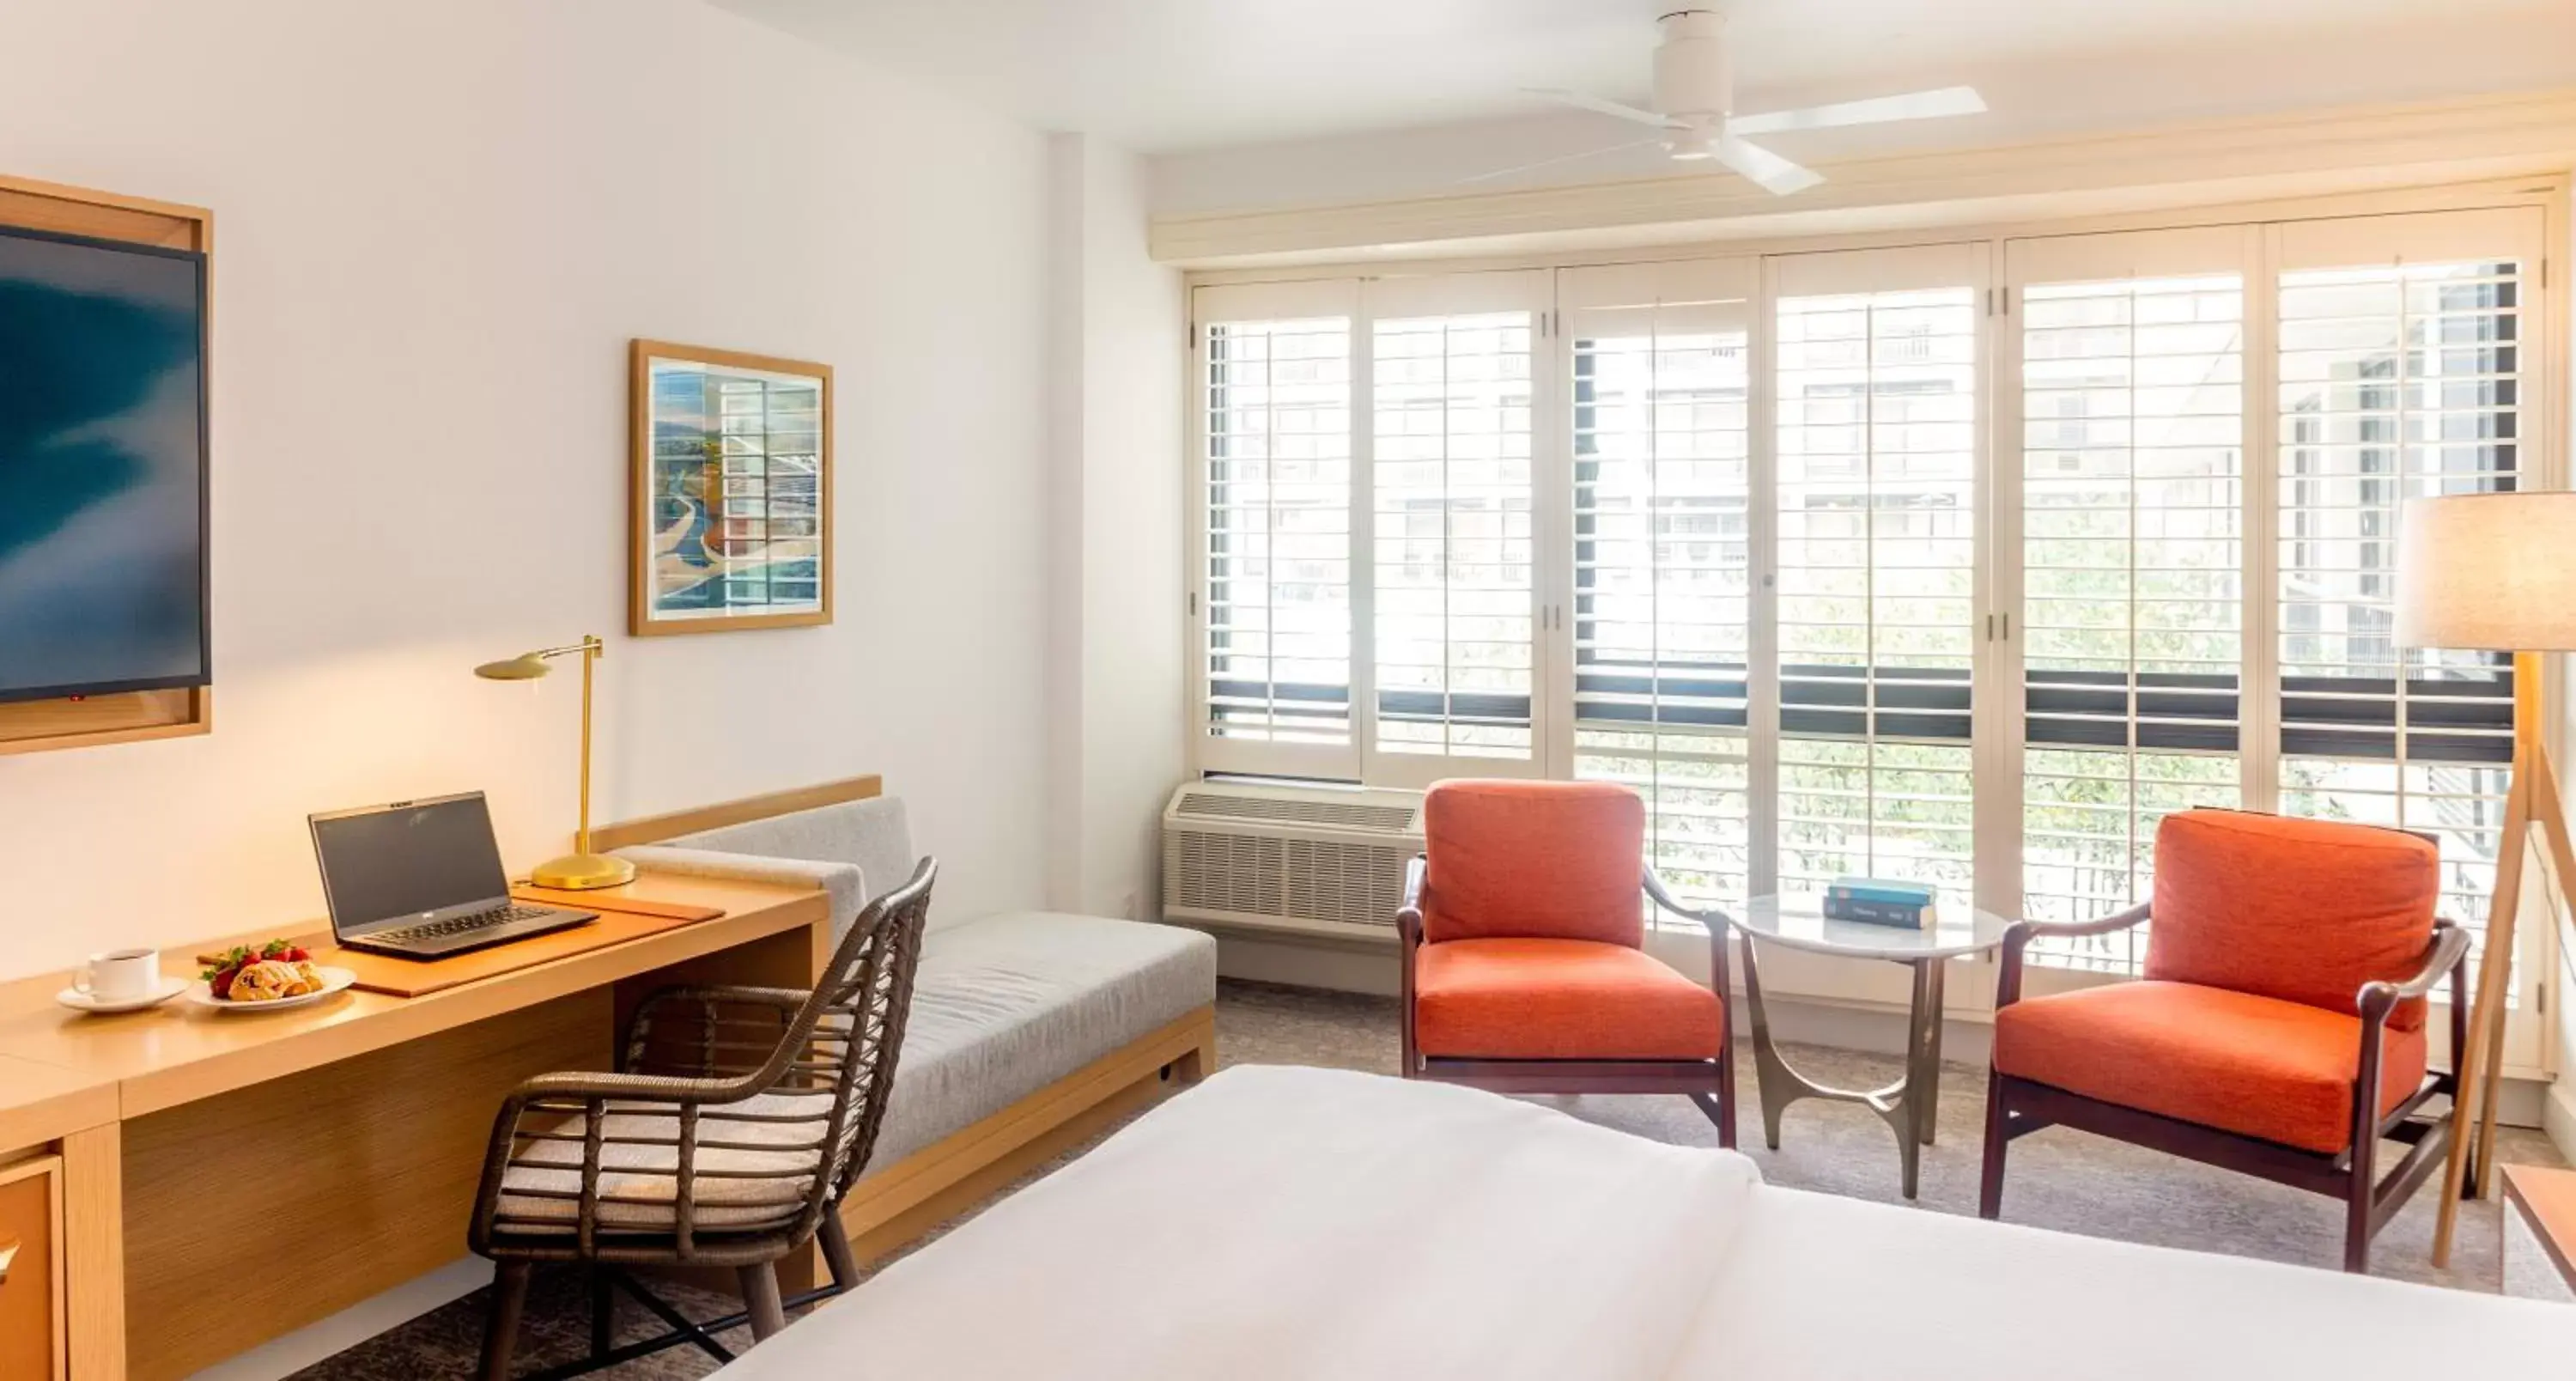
x: 1312, y: 860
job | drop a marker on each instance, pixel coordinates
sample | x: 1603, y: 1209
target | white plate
x: 80, y: 1001
x: 334, y: 980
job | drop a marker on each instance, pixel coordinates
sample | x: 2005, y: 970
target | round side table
x: 1911, y: 1104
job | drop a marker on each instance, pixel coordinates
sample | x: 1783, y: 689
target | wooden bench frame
x: 894, y: 1204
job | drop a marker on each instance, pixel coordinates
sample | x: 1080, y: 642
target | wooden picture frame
x: 729, y: 518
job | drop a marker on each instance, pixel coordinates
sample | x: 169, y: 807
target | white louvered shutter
x: 1660, y: 357
x: 1276, y: 619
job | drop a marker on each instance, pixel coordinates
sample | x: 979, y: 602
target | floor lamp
x: 2494, y: 573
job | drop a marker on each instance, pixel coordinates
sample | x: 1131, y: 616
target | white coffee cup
x: 121, y: 975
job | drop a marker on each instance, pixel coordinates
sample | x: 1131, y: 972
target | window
x: 1876, y: 499
x: 1450, y: 402
x: 1965, y: 563
x: 1277, y: 578
x: 1663, y: 555
x: 1369, y: 534
x: 2401, y: 374
x: 2131, y: 506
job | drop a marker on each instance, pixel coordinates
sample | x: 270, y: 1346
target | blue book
x: 1880, y: 892
x: 1879, y: 913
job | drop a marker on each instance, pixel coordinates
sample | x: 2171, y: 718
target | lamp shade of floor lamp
x: 581, y: 869
x: 2494, y: 573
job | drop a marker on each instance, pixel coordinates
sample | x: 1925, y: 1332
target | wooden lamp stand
x: 2532, y: 799
x: 2490, y: 572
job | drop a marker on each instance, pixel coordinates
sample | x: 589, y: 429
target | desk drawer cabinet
x: 31, y: 1284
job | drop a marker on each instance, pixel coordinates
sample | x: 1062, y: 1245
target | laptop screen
x: 396, y: 863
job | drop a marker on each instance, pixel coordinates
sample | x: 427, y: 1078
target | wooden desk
x: 2544, y: 1199
x: 231, y: 1177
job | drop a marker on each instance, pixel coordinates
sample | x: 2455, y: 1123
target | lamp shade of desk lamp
x: 2494, y: 573
x: 581, y: 869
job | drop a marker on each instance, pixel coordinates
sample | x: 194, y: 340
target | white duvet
x: 1305, y: 1223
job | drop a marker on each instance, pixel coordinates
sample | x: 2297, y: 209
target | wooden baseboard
x: 892, y: 1208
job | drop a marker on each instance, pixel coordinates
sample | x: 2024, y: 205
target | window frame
x: 2254, y: 230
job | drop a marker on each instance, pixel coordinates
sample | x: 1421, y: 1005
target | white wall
x: 437, y: 227
x: 1116, y: 545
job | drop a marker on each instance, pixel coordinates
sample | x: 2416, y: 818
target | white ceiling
x: 1162, y: 76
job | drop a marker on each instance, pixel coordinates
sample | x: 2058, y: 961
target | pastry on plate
x: 273, y: 971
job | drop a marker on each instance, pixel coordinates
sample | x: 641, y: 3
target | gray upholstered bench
x: 1029, y: 1030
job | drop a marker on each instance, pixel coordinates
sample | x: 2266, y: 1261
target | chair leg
x: 1990, y: 1184
x: 2359, y: 1195
x: 603, y: 1311
x: 836, y: 1251
x: 501, y: 1325
x: 760, y: 1296
x: 1725, y: 1113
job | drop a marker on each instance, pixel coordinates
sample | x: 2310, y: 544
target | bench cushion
x: 855, y: 851
x: 1008, y: 1004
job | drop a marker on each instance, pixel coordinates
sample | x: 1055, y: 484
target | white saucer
x: 80, y: 1001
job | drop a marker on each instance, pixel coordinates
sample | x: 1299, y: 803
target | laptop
x: 423, y: 879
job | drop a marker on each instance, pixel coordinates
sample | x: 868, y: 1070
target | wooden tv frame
x: 34, y: 726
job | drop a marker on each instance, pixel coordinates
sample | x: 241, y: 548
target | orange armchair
x: 2279, y: 1027
x: 1524, y: 965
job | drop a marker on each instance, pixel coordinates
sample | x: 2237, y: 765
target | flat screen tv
x: 102, y: 467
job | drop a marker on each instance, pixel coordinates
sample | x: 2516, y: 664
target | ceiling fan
x: 1695, y: 108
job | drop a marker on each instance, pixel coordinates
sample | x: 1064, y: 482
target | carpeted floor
x: 2059, y: 1179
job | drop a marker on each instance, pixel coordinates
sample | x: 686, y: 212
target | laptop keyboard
x: 458, y: 925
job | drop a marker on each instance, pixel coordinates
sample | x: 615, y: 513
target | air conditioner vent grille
x: 1356, y: 884
x: 1209, y: 805
x: 1222, y: 872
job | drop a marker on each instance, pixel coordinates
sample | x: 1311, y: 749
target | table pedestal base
x: 1910, y: 1106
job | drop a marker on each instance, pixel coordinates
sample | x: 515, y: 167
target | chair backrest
x: 2302, y: 910
x: 865, y: 995
x: 1557, y: 860
x: 842, y: 1042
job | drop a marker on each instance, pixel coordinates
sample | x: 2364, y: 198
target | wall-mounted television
x: 103, y: 454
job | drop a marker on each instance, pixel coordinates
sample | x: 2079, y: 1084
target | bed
x: 1288, y: 1222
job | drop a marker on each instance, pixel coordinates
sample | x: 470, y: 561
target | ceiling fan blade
x: 1914, y: 105
x: 1767, y: 170
x: 1599, y: 106
x: 1561, y: 158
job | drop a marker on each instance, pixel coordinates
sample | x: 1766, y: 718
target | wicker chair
x: 737, y: 1119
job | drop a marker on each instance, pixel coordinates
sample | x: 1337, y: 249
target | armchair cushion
x: 1560, y: 860
x: 2257, y: 1066
x: 2301, y: 910
x: 1524, y: 998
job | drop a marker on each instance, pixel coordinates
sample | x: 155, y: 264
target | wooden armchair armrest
x: 722, y: 1031
x: 1710, y: 918
x: 2449, y: 948
x: 2021, y: 933
x: 1408, y: 915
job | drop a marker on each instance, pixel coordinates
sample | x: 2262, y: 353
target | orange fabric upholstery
x: 2301, y: 910
x: 2258, y: 1066
x: 1523, y: 998
x: 1557, y: 860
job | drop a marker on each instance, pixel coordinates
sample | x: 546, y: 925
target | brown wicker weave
x: 736, y: 1120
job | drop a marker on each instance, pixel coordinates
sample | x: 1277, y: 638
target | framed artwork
x: 731, y: 524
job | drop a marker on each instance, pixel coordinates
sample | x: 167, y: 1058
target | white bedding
x: 1303, y: 1223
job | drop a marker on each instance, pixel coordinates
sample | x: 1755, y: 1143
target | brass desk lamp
x: 581, y: 869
